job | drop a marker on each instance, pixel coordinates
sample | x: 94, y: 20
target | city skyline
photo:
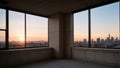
x: 109, y: 42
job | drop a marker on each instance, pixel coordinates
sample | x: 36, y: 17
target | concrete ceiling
x: 50, y: 7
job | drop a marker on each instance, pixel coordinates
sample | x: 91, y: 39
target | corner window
x: 104, y: 27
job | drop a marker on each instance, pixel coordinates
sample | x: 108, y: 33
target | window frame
x: 89, y: 25
x: 6, y: 30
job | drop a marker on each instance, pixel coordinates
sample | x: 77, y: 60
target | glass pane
x: 2, y: 19
x: 2, y: 39
x: 81, y: 29
x: 105, y: 26
x: 16, y: 29
x: 37, y: 31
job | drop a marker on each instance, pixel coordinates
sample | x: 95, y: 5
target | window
x: 16, y: 29
x: 81, y: 29
x: 37, y: 31
x: 22, y: 30
x: 104, y: 25
x: 2, y: 28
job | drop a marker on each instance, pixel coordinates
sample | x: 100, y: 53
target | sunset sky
x: 104, y: 21
x: 37, y: 27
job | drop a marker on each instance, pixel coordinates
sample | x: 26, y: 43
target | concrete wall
x: 54, y: 34
x: 22, y: 56
x: 98, y: 55
x: 61, y: 34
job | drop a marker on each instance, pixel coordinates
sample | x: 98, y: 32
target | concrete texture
x: 15, y: 57
x: 61, y: 34
x: 97, y: 55
x: 53, y: 30
x: 65, y: 64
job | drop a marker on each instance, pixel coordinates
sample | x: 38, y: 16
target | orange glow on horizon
x: 29, y: 38
x: 21, y: 39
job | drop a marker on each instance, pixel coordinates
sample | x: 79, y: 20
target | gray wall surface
x: 97, y: 55
x: 61, y: 34
x: 15, y: 57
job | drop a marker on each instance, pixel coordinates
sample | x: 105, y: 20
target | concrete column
x: 60, y: 27
x: 68, y: 35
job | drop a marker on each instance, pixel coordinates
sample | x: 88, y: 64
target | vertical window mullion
x: 25, y: 30
x: 89, y: 28
x: 7, y: 29
x: 119, y: 20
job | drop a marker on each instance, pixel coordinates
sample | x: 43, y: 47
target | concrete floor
x: 65, y: 64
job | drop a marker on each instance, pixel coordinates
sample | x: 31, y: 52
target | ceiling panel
x: 50, y: 7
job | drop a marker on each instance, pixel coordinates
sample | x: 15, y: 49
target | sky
x: 2, y: 25
x: 37, y: 27
x: 104, y: 21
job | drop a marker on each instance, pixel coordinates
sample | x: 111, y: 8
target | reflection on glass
x: 2, y: 39
x: 105, y: 26
x: 16, y: 29
x: 37, y: 31
x: 2, y: 19
x: 81, y: 29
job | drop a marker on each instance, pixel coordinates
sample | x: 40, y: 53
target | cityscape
x: 18, y: 44
x: 109, y: 42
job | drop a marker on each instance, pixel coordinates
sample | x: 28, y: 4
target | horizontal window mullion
x: 2, y: 29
